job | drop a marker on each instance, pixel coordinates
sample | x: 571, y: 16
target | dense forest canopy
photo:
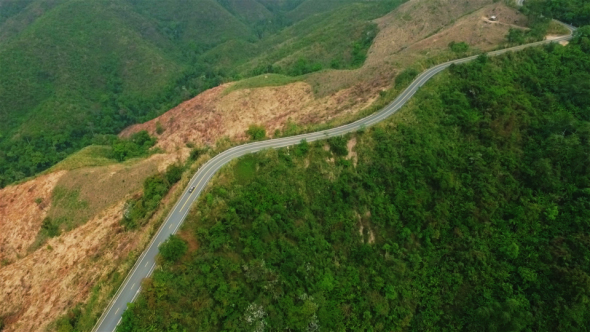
x: 576, y: 12
x: 75, y: 69
x: 471, y: 214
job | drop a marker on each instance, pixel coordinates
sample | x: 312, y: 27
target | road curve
x: 146, y: 263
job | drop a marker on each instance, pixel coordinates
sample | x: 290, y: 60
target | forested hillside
x: 576, y: 12
x: 73, y: 70
x: 468, y: 211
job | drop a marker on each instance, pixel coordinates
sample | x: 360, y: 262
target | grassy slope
x: 471, y: 214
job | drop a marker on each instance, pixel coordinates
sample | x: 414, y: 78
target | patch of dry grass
x: 93, y: 155
x: 84, y: 192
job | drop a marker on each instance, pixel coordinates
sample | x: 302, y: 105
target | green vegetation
x: 72, y: 318
x: 245, y: 170
x: 338, y: 146
x: 405, y: 77
x: 159, y: 128
x: 93, y: 155
x: 66, y: 218
x: 337, y: 39
x: 173, y: 248
x: 196, y: 153
x: 262, y: 81
x: 539, y: 27
x: 49, y: 228
x: 73, y: 70
x: 472, y: 216
x: 460, y: 47
x: 256, y: 132
x: 576, y: 12
x: 69, y: 201
x: 137, y: 146
x: 582, y: 38
x: 302, y: 149
x: 140, y: 209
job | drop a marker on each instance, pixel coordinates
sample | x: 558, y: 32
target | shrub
x: 338, y: 145
x: 174, y: 173
x: 138, y: 145
x: 196, y: 153
x: 515, y: 36
x: 159, y: 128
x: 405, y: 77
x: 49, y: 227
x: 460, y: 47
x: 256, y: 132
x: 302, y: 148
x: 173, y: 248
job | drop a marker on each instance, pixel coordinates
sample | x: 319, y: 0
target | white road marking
x: 146, y: 264
x: 135, y: 296
x: 119, y: 322
x: 116, y: 312
x: 132, y: 285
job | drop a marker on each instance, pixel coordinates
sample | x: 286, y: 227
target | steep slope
x: 201, y: 22
x: 576, y: 12
x: 75, y: 69
x: 61, y: 84
x: 468, y: 212
x: 226, y: 111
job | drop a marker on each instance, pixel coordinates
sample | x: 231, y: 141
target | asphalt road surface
x: 145, y: 264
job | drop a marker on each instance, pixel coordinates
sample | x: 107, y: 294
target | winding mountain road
x: 147, y: 261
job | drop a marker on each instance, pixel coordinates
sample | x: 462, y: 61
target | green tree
x: 302, y: 148
x: 582, y: 38
x: 173, y: 248
x: 174, y: 173
x: 460, y: 47
x: 256, y: 132
x: 515, y: 36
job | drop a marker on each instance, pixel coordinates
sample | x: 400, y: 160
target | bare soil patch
x: 213, y: 114
x: 22, y: 210
x: 43, y: 285
x: 474, y: 29
x: 352, y: 155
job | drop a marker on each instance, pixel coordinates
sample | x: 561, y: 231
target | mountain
x: 73, y: 70
x: 63, y: 233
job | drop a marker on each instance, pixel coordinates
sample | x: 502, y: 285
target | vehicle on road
x: 191, y: 190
